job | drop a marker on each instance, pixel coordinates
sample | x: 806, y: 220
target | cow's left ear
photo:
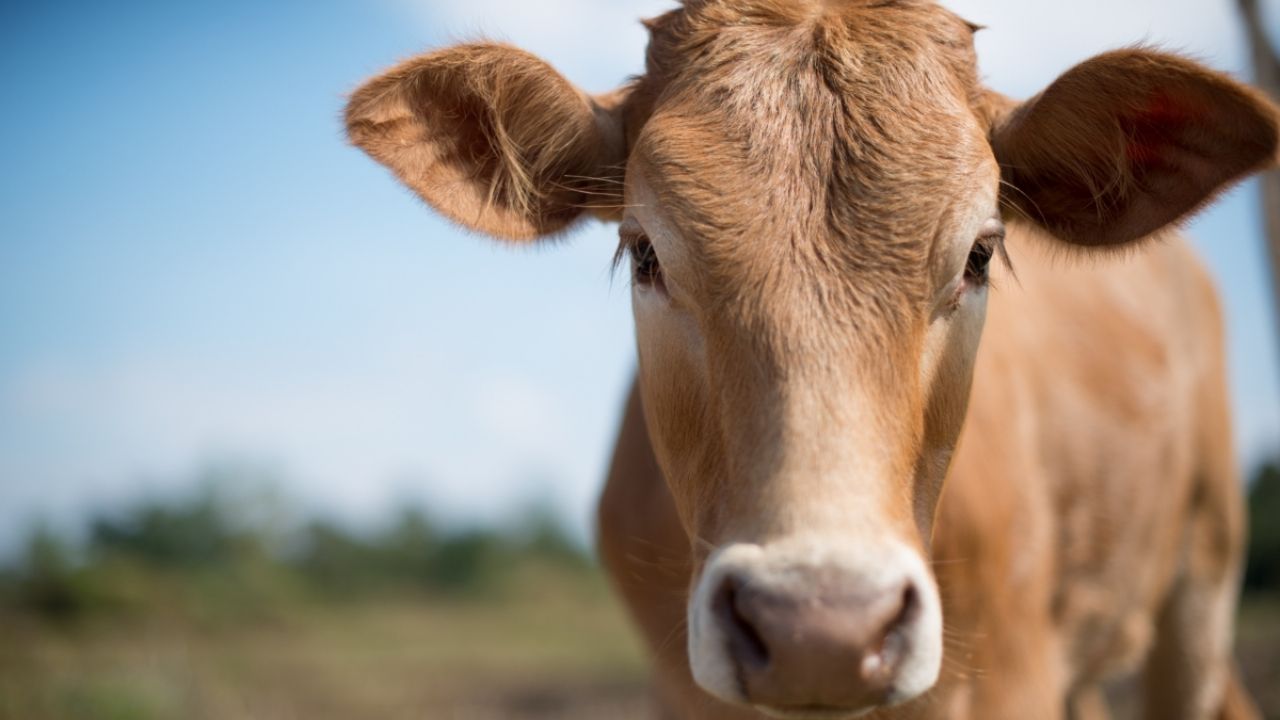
x: 1128, y: 143
x: 495, y: 139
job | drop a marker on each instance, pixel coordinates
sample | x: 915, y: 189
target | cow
x: 930, y: 418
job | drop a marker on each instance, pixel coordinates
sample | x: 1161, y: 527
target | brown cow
x: 817, y: 198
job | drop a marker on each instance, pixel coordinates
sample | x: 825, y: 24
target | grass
x: 551, y: 644
x: 1258, y: 648
x: 551, y: 647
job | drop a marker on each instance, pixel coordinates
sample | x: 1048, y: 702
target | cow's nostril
x: 910, y: 606
x: 746, y: 647
x: 881, y: 661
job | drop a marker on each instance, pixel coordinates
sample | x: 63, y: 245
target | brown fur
x: 809, y: 172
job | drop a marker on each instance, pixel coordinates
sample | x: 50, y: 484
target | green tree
x: 179, y: 535
x: 48, y: 581
x: 1263, y: 569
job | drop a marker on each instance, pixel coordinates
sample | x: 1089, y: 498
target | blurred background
x: 277, y: 442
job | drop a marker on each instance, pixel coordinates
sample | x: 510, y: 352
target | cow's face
x: 811, y: 197
x: 810, y: 248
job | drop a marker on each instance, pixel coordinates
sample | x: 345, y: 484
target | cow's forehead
x: 847, y: 132
x: 854, y: 44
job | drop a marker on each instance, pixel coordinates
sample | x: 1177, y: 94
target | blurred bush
x: 215, y: 555
x: 193, y: 534
x: 47, y: 580
x: 1262, y: 574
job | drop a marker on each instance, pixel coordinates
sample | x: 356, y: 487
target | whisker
x: 589, y: 178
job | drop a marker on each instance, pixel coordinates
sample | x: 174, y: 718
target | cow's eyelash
x: 1000, y: 251
x: 628, y: 241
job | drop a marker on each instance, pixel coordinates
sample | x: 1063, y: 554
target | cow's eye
x: 977, y: 269
x: 978, y: 266
x: 645, y: 268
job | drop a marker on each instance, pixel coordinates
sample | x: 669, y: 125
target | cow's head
x: 811, y: 195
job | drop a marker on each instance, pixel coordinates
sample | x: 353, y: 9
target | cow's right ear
x: 1129, y: 142
x: 494, y: 138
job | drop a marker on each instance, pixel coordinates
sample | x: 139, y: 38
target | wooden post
x: 1266, y: 71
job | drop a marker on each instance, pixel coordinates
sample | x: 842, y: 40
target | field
x: 188, y: 611
x: 1258, y: 648
x: 559, y: 649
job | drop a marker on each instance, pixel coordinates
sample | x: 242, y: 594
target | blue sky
x: 195, y: 268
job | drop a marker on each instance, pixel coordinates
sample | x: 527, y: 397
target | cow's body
x: 1093, y: 488
x: 834, y: 494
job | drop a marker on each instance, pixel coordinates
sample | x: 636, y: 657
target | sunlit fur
x: 817, y: 392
